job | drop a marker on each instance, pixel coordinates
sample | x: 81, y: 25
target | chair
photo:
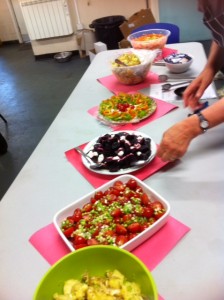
x: 174, y: 29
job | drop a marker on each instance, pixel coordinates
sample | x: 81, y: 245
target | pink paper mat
x: 52, y: 248
x: 99, y: 179
x: 162, y: 109
x: 165, y: 52
x: 111, y: 83
x: 114, y: 86
x: 50, y: 245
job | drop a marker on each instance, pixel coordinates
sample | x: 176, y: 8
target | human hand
x: 177, y: 138
x: 195, y: 90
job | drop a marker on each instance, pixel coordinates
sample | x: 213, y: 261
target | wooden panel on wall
x: 7, y: 29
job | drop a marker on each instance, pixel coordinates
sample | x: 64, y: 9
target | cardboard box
x: 143, y: 17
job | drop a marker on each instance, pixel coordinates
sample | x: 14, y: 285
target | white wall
x: 181, y: 12
x: 94, y: 9
x: 184, y: 13
x: 89, y: 10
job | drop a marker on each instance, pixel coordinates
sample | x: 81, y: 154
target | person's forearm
x: 214, y: 114
x: 176, y: 139
x: 215, y: 58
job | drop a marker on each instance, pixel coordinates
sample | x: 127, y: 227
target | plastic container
x: 135, y: 74
x: 149, y: 39
x: 107, y: 30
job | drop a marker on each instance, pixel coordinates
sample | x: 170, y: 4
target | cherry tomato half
x: 68, y: 232
x: 79, y: 240
x: 121, y: 240
x: 134, y: 227
x: 148, y: 212
x: 120, y: 229
x: 132, y: 184
x: 156, y: 205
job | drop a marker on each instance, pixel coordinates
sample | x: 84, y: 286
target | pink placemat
x: 162, y: 109
x: 165, y: 52
x: 111, y: 83
x: 50, y: 245
x: 99, y: 179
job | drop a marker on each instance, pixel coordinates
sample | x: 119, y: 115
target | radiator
x: 46, y: 18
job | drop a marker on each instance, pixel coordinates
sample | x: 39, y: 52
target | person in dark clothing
x: 176, y: 139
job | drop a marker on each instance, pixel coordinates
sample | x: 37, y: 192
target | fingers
x: 175, y: 141
x: 167, y: 154
x: 168, y: 151
x: 192, y: 96
x: 195, y: 90
x: 168, y: 158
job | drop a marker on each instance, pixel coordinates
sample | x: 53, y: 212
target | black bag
x: 3, y: 145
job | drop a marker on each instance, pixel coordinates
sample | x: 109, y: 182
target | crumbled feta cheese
x: 100, y: 158
x: 120, y: 153
x: 127, y: 143
x: 116, y: 158
x: 91, y: 154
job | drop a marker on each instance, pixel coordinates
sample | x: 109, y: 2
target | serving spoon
x: 92, y: 164
x: 168, y: 86
x: 95, y: 166
x: 164, y: 78
x: 118, y: 61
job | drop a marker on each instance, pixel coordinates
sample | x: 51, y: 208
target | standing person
x: 177, y: 138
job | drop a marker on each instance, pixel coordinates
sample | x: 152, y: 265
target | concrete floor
x: 31, y: 94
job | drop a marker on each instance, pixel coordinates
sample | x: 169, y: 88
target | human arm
x: 176, y: 139
x: 196, y: 89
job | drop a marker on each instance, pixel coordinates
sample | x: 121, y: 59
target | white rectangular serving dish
x: 136, y: 241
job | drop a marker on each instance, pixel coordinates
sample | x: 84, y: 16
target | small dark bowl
x: 63, y: 56
x: 179, y: 91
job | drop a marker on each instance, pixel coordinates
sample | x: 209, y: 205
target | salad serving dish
x: 133, y: 240
x: 126, y: 108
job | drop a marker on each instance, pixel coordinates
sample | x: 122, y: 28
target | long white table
x: 194, y: 186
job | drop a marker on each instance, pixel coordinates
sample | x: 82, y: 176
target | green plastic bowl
x: 96, y: 260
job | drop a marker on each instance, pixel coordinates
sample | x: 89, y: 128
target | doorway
x: 18, y: 21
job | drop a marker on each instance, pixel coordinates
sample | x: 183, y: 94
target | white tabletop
x: 194, y: 269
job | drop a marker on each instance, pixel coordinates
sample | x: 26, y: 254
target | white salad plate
x: 89, y: 146
x: 61, y: 215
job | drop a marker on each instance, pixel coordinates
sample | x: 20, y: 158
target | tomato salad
x: 112, y: 217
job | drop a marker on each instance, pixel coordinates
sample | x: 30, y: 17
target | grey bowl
x: 63, y: 56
